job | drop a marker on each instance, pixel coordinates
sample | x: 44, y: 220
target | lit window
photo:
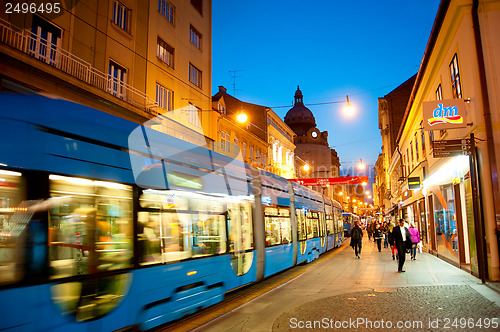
x: 167, y: 10
x: 194, y: 37
x: 165, y: 52
x: 455, y: 78
x: 194, y: 75
x: 164, y: 97
x: 120, y: 15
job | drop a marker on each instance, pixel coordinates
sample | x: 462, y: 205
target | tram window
x: 12, y: 193
x: 312, y: 223
x: 90, y: 228
x: 278, y: 225
x: 176, y: 225
x: 338, y: 221
x: 301, y: 223
x: 329, y: 224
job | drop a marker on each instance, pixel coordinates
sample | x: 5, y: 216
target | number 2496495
x: 32, y: 8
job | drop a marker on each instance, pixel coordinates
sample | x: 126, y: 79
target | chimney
x: 222, y: 89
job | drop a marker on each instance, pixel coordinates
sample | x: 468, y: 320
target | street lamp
x: 241, y: 117
x: 361, y: 165
x: 348, y: 109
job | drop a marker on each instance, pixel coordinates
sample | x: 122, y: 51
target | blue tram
x: 349, y: 219
x: 106, y: 224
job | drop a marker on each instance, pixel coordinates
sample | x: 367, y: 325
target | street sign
x: 451, y: 148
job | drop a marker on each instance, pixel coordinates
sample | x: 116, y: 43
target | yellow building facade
x: 460, y: 67
x: 140, y: 60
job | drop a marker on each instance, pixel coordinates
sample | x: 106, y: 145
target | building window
x: 165, y: 52
x: 264, y: 160
x: 416, y: 148
x: 455, y: 78
x: 439, y: 93
x: 408, y: 164
x: 164, y: 97
x: 117, y: 79
x: 121, y: 15
x: 194, y: 37
x: 422, y: 137
x: 404, y: 165
x: 411, y: 154
x: 257, y: 157
x: 194, y: 116
x: 244, y: 150
x: 167, y: 10
x: 45, y: 39
x: 194, y: 75
x: 198, y: 5
x: 431, y: 138
x: 251, y: 153
x: 224, y: 139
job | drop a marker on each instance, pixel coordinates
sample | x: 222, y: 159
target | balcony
x: 51, y: 53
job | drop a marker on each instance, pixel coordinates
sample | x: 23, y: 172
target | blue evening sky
x: 331, y: 48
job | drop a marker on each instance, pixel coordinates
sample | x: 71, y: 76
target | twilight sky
x: 331, y: 48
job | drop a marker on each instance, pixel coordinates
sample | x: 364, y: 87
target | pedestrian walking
x: 377, y: 235
x: 356, y: 239
x: 390, y: 236
x: 369, y: 230
x: 385, y: 231
x: 415, y: 239
x: 402, y: 241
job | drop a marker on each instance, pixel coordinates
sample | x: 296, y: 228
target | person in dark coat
x: 377, y: 235
x: 402, y: 241
x: 390, y: 235
x: 356, y: 239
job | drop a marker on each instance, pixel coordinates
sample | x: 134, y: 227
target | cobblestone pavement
x: 340, y: 292
x: 424, y: 308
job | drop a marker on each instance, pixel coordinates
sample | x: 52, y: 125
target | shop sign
x: 444, y: 114
x: 414, y: 183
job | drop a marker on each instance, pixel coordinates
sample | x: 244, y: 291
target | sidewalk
x: 339, y: 291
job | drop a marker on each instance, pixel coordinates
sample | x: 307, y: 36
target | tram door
x: 240, y: 235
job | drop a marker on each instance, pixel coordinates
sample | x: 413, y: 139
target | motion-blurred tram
x: 106, y: 224
x: 349, y: 220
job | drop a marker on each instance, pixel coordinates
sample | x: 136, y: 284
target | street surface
x: 340, y: 292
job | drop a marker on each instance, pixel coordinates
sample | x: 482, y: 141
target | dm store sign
x: 444, y: 114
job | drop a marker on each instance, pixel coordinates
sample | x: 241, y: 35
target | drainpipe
x: 487, y: 120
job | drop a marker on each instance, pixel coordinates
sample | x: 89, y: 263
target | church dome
x: 299, y: 117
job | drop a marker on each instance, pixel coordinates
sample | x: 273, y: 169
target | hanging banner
x: 332, y: 181
x: 444, y: 114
